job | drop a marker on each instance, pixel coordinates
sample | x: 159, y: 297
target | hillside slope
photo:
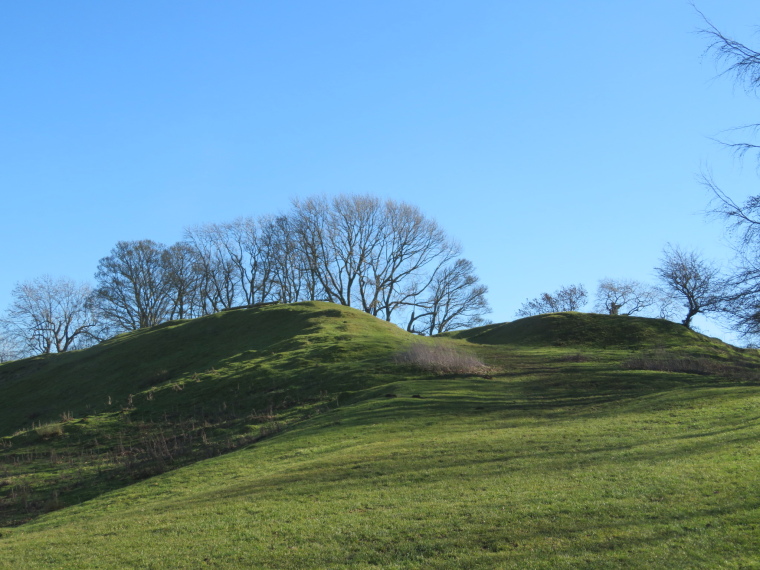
x: 243, y: 345
x: 570, y: 456
x: 589, y: 330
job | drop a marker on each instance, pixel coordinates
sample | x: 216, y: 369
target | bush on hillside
x: 441, y: 358
x: 48, y: 431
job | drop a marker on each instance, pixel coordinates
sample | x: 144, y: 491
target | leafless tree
x: 740, y: 302
x: 133, y: 291
x: 743, y: 64
x: 377, y: 255
x: 691, y: 280
x: 51, y: 315
x: 568, y: 298
x: 219, y: 287
x: 336, y: 238
x: 9, y: 347
x: 242, y: 240
x: 293, y: 281
x: 406, y: 261
x: 742, y: 288
x: 455, y: 300
x: 180, y: 271
x: 624, y: 297
x: 309, y: 222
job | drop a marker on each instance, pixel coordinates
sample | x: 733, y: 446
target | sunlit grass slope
x: 87, y: 422
x: 248, y: 345
x: 570, y: 456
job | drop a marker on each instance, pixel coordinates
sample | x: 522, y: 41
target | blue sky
x: 559, y: 142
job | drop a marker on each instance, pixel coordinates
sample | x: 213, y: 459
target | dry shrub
x: 49, y: 430
x: 441, y: 358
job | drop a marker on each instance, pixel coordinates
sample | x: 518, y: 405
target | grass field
x: 290, y: 437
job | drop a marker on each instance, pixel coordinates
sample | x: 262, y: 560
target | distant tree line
x: 383, y: 257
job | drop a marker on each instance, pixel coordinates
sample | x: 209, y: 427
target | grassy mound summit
x: 293, y: 436
x: 587, y: 330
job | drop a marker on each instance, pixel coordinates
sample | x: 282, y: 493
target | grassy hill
x: 589, y: 330
x: 289, y: 437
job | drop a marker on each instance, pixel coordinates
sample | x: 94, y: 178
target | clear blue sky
x: 558, y: 141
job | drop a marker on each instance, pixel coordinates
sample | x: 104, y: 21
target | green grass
x: 567, y: 455
x: 589, y: 330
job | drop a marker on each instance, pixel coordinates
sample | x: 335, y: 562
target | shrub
x: 441, y: 358
x: 49, y: 430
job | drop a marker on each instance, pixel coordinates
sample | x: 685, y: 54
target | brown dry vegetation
x: 441, y: 358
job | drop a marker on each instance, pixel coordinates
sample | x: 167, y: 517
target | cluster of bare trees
x: 685, y: 280
x: 48, y: 315
x: 568, y: 298
x: 383, y: 257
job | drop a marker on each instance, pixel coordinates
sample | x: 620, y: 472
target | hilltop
x: 590, y: 330
x: 202, y: 358
x: 287, y: 436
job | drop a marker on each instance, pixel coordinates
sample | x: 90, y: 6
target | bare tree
x: 742, y: 288
x: 183, y: 280
x: 293, y: 281
x: 337, y: 238
x: 568, y: 298
x: 219, y: 287
x: 242, y: 239
x: 9, y: 348
x: 624, y: 297
x: 740, y: 293
x: 743, y: 63
x: 378, y: 255
x: 407, y: 260
x: 51, y: 315
x: 133, y: 291
x: 311, y: 224
x: 692, y: 280
x: 455, y: 300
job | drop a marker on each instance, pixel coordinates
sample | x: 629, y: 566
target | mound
x: 244, y: 346
x: 284, y: 437
x: 587, y: 330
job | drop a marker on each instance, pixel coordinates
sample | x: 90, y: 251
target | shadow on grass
x: 392, y: 461
x: 536, y: 388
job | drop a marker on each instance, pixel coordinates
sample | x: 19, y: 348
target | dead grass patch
x: 441, y: 358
